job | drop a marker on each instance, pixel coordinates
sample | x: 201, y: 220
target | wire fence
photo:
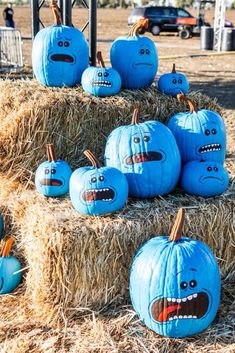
x: 11, y: 57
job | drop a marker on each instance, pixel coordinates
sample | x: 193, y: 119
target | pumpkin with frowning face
x: 59, y: 54
x: 135, y: 58
x: 97, y: 190
x: 175, y: 284
x: 173, y: 83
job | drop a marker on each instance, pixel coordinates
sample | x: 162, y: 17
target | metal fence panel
x: 11, y: 57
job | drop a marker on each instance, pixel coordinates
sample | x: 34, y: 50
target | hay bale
x: 79, y: 262
x: 32, y: 115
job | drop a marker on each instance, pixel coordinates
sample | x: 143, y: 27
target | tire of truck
x: 155, y: 30
x: 185, y: 33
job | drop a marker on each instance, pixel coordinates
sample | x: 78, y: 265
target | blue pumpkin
x: 135, y: 58
x: 200, y: 134
x: 102, y: 81
x: 97, y: 190
x: 10, y: 278
x: 147, y: 154
x: 175, y: 284
x: 204, y: 178
x: 52, y: 177
x: 59, y: 54
x: 173, y: 83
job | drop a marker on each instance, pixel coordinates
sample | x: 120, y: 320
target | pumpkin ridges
x: 50, y: 152
x: 7, y: 247
x: 94, y: 161
x: 191, y: 104
x: 56, y: 12
x: 176, y: 231
x: 141, y: 24
x: 100, y: 59
x: 136, y: 115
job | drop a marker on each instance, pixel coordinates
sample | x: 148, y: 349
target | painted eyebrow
x: 68, y: 38
x: 59, y: 38
x: 191, y: 269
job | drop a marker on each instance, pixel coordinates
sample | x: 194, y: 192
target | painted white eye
x: 93, y: 180
x: 146, y: 138
x: 66, y: 44
x: 99, y: 74
x: 60, y: 43
x: 101, y: 178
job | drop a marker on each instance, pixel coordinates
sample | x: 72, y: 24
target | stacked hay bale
x: 77, y: 262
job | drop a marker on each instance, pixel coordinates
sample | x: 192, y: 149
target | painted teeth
x: 210, y: 148
x: 102, y: 83
x: 96, y: 190
x: 179, y: 300
x: 182, y: 317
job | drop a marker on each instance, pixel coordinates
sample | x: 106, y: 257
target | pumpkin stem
x: 50, y: 152
x: 176, y: 231
x: 94, y: 161
x: 56, y: 12
x: 191, y: 104
x: 100, y: 59
x: 7, y: 247
x: 136, y: 115
x: 173, y: 69
x: 138, y: 26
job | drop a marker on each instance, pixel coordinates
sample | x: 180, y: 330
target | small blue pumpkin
x: 200, y: 134
x: 173, y: 83
x: 204, y: 178
x: 147, y: 154
x: 52, y: 177
x: 175, y: 284
x: 60, y: 54
x: 102, y: 81
x: 97, y: 190
x: 10, y: 274
x: 135, y: 58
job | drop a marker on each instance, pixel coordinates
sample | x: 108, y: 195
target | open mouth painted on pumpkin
x: 105, y: 194
x: 102, y: 83
x: 62, y: 57
x: 144, y: 157
x: 193, y: 306
x: 51, y: 182
x: 210, y: 148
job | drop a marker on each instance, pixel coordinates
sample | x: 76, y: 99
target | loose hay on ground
x: 32, y: 115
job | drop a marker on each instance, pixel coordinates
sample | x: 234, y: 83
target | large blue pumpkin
x: 175, y: 284
x: 10, y: 277
x: 97, y: 190
x: 101, y: 81
x: 200, y: 134
x: 135, y: 58
x: 52, y: 176
x: 204, y: 178
x: 173, y: 83
x: 59, y: 54
x: 147, y: 154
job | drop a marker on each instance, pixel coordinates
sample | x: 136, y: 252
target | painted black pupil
x: 216, y: 169
x: 147, y: 51
x: 53, y: 171
x: 180, y: 81
x: 106, y: 74
x: 66, y: 44
x: 213, y: 131
x: 99, y: 74
x: 209, y: 169
x: 46, y: 171
x: 193, y: 283
x: 93, y: 180
x: 146, y: 138
x: 101, y: 178
x: 60, y: 44
x: 136, y: 139
x: 174, y: 81
x: 207, y: 132
x: 183, y: 285
x: 142, y: 51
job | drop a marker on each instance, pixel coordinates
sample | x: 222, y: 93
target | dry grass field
x: 117, y: 330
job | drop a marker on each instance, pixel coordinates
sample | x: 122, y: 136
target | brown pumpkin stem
x: 7, y: 247
x: 136, y: 115
x: 176, y: 231
x: 51, y: 152
x: 100, y: 59
x: 94, y: 161
x: 173, y: 69
x: 138, y: 26
x: 56, y: 12
x: 192, y: 106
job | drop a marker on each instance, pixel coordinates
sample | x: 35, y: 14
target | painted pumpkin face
x: 173, y: 293
x: 135, y: 58
x: 97, y: 190
x: 173, y: 83
x: 52, y: 177
x: 147, y: 154
x: 204, y: 178
x: 199, y: 134
x: 59, y: 55
x: 9, y: 280
x: 101, y: 82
